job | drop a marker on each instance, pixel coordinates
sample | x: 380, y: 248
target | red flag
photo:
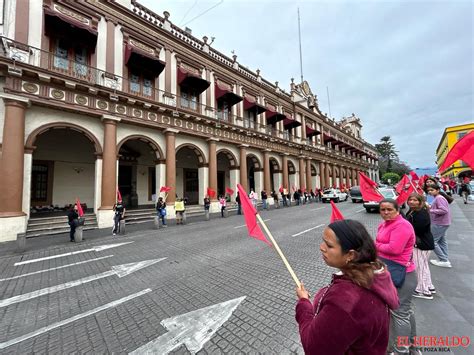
x: 402, y: 183
x: 336, y: 215
x: 249, y: 215
x: 368, y: 189
x: 403, y: 196
x: 229, y: 191
x: 414, y: 177
x: 165, y: 189
x: 281, y: 189
x: 462, y: 150
x: 119, y: 195
x: 80, y: 211
x: 210, y: 192
x: 466, y: 180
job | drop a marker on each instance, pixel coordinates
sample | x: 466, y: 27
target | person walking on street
x: 440, y: 222
x: 264, y: 197
x: 276, y: 200
x: 394, y: 242
x: 465, y: 191
x: 253, y: 198
x: 180, y: 210
x: 161, y: 211
x: 351, y: 314
x: 73, y: 221
x: 207, y: 203
x: 419, y: 218
x: 239, y: 204
x: 119, y: 210
x: 284, y: 197
x: 222, y: 203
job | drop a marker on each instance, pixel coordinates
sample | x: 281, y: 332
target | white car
x: 374, y: 205
x: 334, y: 194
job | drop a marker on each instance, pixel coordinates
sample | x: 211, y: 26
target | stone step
x: 44, y: 232
x: 37, y: 222
x: 56, y: 225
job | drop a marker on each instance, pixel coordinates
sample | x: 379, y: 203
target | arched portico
x: 190, y: 174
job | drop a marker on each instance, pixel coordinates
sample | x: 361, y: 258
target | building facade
x: 99, y: 96
x: 450, y: 137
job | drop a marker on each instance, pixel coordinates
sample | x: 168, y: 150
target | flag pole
x: 287, y: 264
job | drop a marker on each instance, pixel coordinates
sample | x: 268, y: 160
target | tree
x: 387, y: 151
x: 390, y: 178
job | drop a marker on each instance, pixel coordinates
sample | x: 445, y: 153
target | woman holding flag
x: 351, y: 314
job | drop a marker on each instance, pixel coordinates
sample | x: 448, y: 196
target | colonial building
x: 450, y: 137
x: 102, y: 95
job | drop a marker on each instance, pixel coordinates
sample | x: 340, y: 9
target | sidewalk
x: 451, y: 312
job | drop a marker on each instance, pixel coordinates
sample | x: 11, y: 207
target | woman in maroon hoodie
x: 351, y: 315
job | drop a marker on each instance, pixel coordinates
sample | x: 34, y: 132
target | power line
x: 299, y: 37
x: 204, y: 12
x: 187, y: 12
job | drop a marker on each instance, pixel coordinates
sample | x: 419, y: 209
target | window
x: 39, y: 182
x: 70, y: 58
x: 189, y: 98
x: 223, y: 110
x: 250, y: 119
x: 141, y: 84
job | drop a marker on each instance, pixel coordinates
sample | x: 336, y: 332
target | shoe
x: 441, y: 263
x: 164, y: 226
x: 72, y: 240
x: 426, y: 296
x: 432, y: 290
x: 114, y: 233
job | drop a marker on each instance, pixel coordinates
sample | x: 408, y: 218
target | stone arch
x: 274, y: 164
x: 199, y: 153
x: 150, y: 142
x: 314, y: 170
x: 229, y: 155
x: 255, y: 161
x: 30, y: 141
x: 291, y: 167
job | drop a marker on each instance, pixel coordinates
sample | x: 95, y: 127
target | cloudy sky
x: 404, y: 67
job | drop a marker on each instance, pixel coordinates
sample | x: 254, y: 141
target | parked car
x: 374, y: 205
x: 334, y: 194
x: 355, y: 194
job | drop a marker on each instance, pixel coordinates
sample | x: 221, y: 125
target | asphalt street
x: 202, y: 287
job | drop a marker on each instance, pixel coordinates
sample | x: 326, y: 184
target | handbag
x: 397, y: 272
x: 163, y: 212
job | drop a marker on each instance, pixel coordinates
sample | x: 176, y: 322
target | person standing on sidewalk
x: 264, y: 196
x: 394, y: 242
x: 465, y: 191
x: 73, y: 221
x: 239, y: 204
x: 253, y: 198
x: 440, y: 222
x: 222, y: 203
x: 161, y: 211
x: 419, y: 218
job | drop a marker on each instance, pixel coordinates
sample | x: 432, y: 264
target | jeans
x: 117, y: 219
x: 239, y: 208
x: 162, y: 217
x: 72, y: 231
x: 441, y: 245
x: 264, y: 202
x: 402, y: 321
x: 222, y: 211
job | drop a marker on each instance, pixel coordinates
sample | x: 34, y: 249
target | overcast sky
x: 404, y: 67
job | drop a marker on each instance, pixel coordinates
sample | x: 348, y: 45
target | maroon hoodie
x: 351, y: 319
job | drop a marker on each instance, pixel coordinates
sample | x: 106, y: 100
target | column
x: 12, y: 163
x: 302, y: 182
x: 170, y: 135
x: 213, y: 166
x: 285, y: 172
x: 354, y: 177
x: 243, y: 166
x: 109, y: 163
x: 309, y: 180
x: 326, y: 174
x: 322, y: 179
x: 234, y: 180
x: 266, y: 172
x: 348, y: 180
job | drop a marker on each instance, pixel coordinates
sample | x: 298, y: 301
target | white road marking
x: 119, y: 270
x: 72, y: 319
x: 192, y: 329
x: 315, y: 209
x: 307, y: 230
x: 96, y: 248
x: 363, y: 209
x: 56, y: 268
x: 244, y: 225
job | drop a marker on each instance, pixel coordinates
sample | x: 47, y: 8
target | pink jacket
x: 395, y: 241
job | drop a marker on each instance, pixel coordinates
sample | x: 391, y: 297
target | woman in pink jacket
x: 395, y: 241
x: 351, y: 315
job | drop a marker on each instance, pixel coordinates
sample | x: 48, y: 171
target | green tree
x: 387, y: 152
x: 390, y: 178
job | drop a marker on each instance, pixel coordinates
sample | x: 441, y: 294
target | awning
x: 143, y: 61
x: 223, y: 93
x: 289, y: 122
x: 311, y: 132
x: 192, y: 80
x: 60, y: 25
x: 328, y: 139
x: 252, y: 105
x: 273, y: 116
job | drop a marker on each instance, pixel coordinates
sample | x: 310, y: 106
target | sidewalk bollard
x: 206, y: 215
x: 21, y: 242
x: 78, y: 234
x: 122, y: 227
x: 226, y: 213
x: 157, y: 222
x: 184, y: 217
